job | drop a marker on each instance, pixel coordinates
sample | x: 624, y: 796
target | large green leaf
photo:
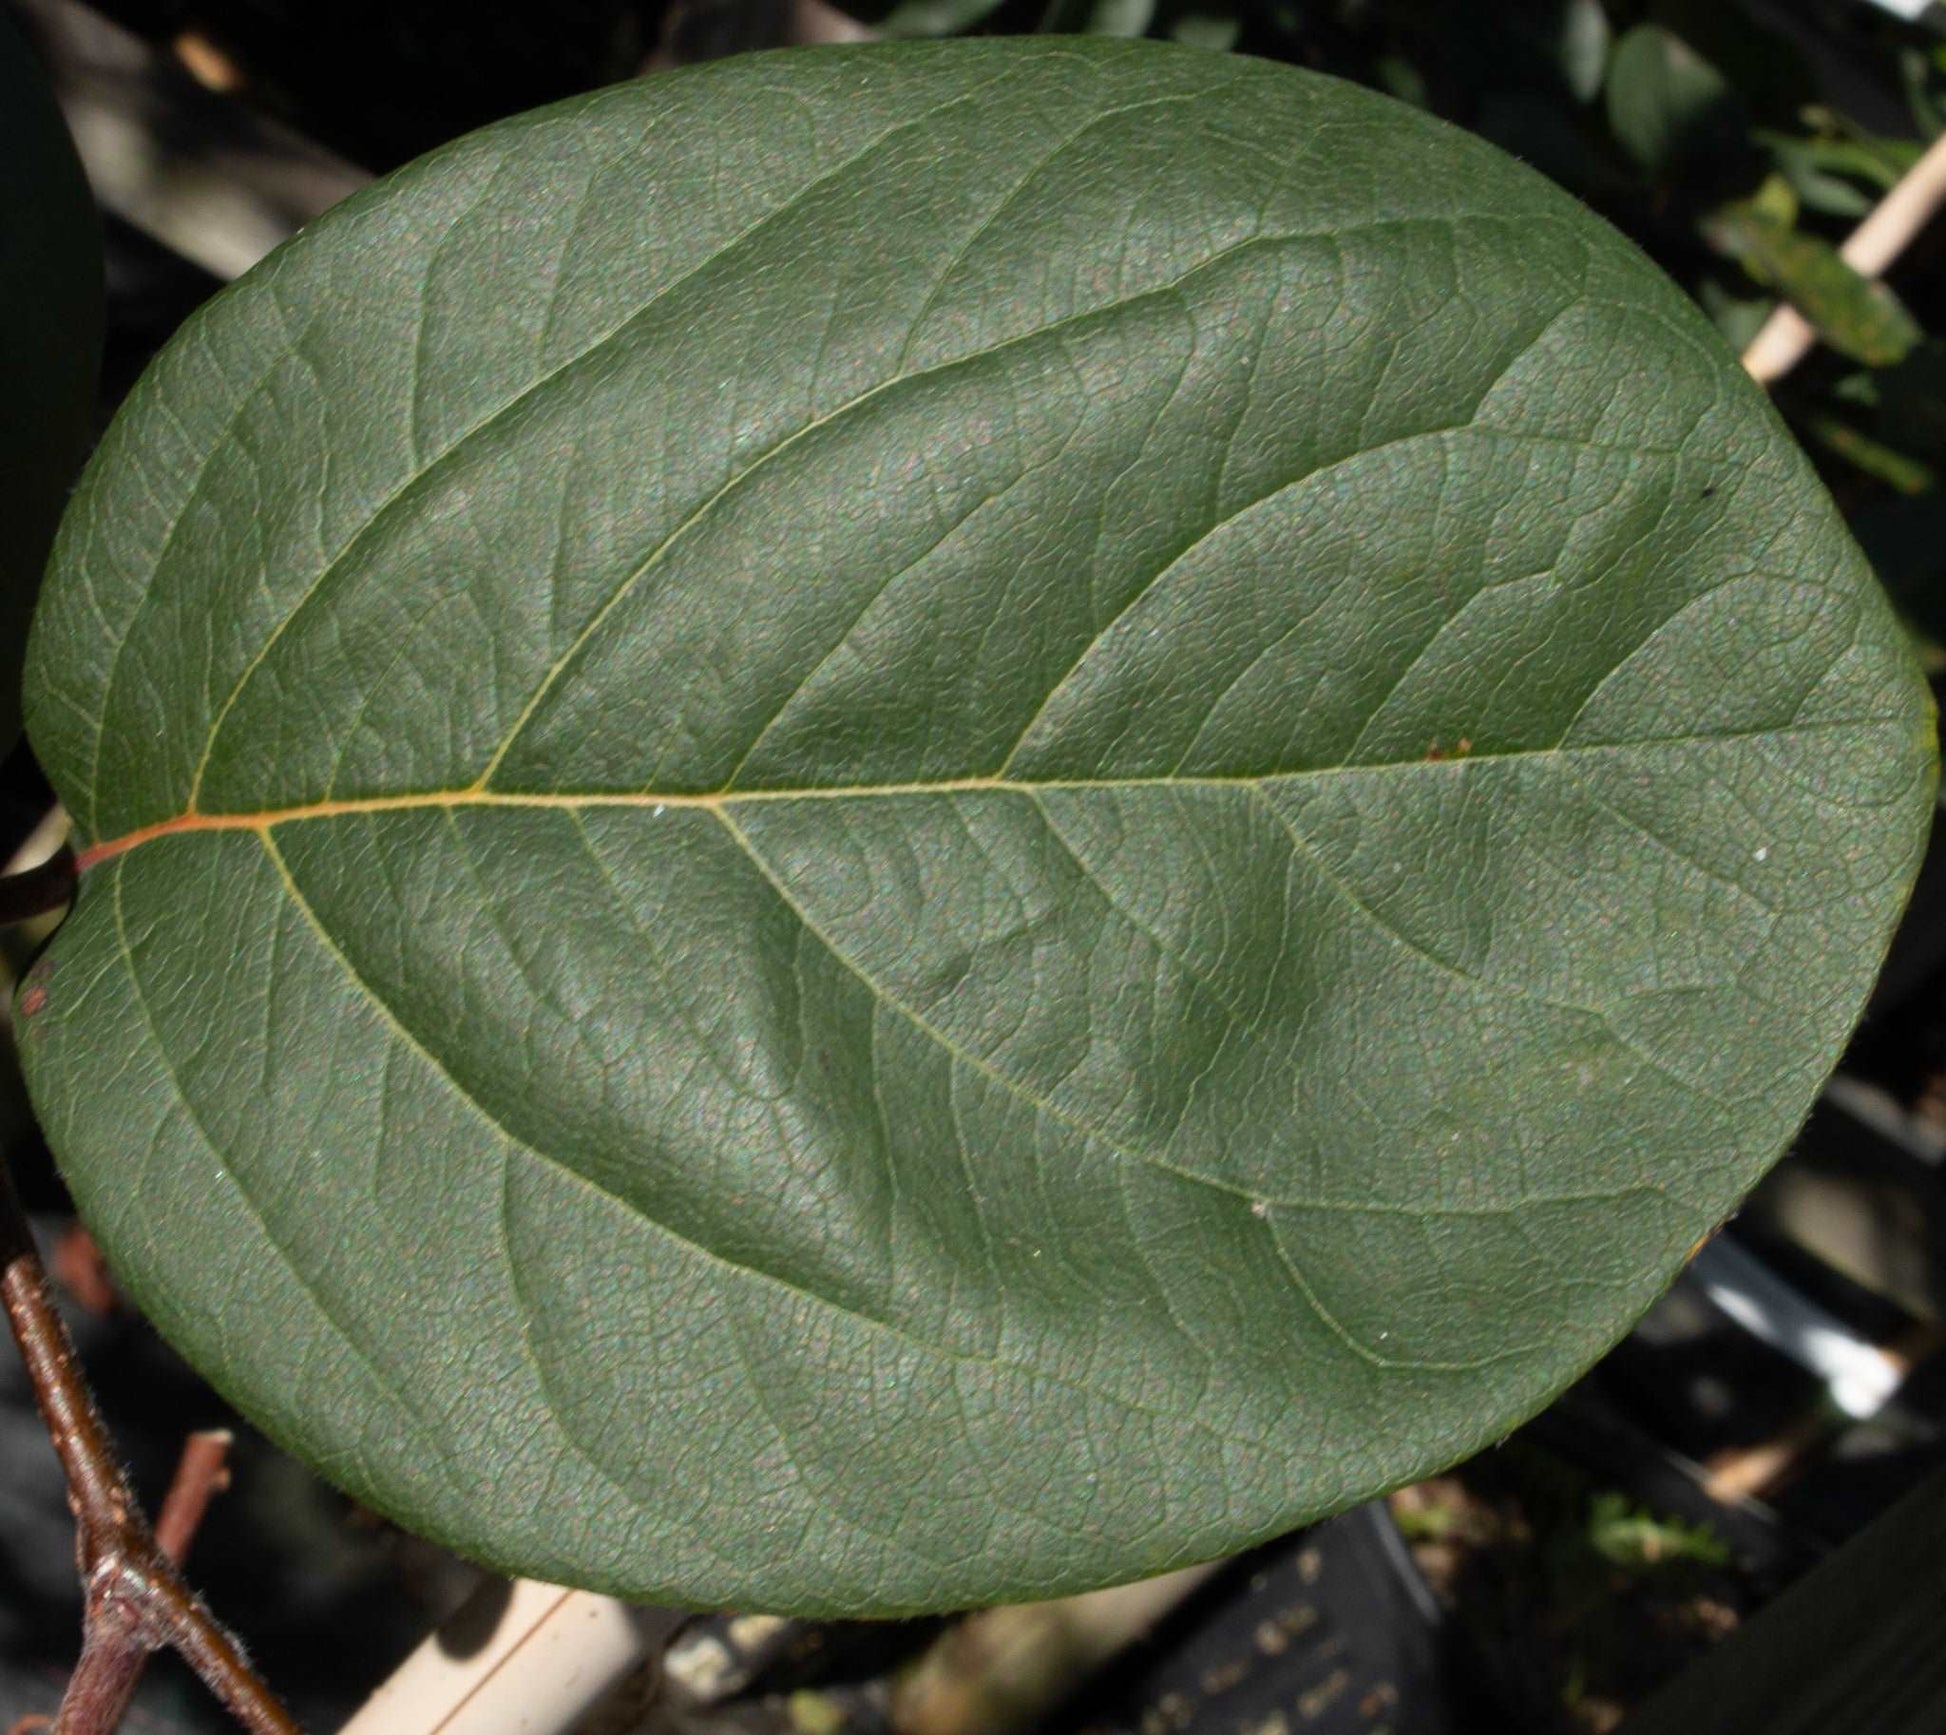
x: 50, y: 342
x: 897, y: 825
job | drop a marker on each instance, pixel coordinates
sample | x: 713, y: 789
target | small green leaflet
x: 893, y: 826
x: 1857, y: 315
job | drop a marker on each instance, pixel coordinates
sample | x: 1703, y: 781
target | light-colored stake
x: 552, y: 1654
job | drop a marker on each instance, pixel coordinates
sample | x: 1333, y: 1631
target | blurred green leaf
x: 1215, y: 31
x: 1738, y: 318
x: 1629, y: 1536
x: 1582, y: 46
x: 1769, y: 72
x: 1821, y: 191
x: 1775, y: 203
x: 1842, y: 148
x: 1840, y: 177
x: 930, y: 17
x: 1922, y: 71
x: 1910, y: 401
x: 1903, y: 474
x: 1398, y: 77
x: 1889, y: 422
x: 1855, y: 315
x: 1665, y: 101
x: 1857, y: 387
x: 1097, y: 17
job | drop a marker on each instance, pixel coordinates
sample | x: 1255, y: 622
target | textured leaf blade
x: 895, y: 826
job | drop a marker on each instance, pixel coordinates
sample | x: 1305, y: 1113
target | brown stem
x: 226, y: 1671
x: 97, y: 1492
x: 136, y: 1600
x: 113, y: 1655
x: 79, y: 1271
x: 201, y: 1472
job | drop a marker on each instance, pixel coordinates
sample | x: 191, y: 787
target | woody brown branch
x: 202, y: 1472
x: 135, y: 1599
x: 116, y: 1643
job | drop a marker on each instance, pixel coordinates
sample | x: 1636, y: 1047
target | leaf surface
x: 893, y: 826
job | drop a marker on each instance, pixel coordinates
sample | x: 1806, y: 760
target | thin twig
x: 219, y: 1660
x: 97, y: 1492
x: 80, y: 1272
x: 1786, y: 337
x: 201, y: 1472
x: 136, y: 1600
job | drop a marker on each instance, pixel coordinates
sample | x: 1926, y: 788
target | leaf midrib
x: 263, y: 820
x: 417, y: 479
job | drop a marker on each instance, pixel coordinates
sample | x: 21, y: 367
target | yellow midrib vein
x: 264, y: 819
x: 714, y: 800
